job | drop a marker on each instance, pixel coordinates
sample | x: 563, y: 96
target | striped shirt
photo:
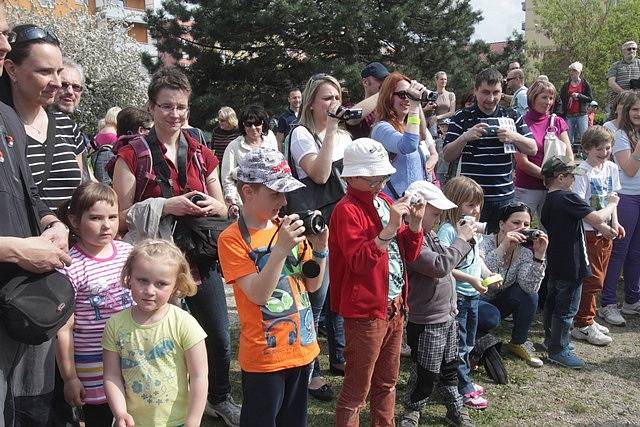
x: 99, y: 295
x: 624, y: 72
x: 484, y: 160
x: 65, y: 175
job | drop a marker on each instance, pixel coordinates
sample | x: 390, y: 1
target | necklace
x: 37, y: 123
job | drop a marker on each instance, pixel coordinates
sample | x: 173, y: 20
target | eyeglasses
x: 632, y: 49
x: 373, y: 183
x: 170, y: 108
x: 252, y: 124
x: 31, y: 34
x: 9, y: 36
x: 510, y: 78
x: 76, y: 87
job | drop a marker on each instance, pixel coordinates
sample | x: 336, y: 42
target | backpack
x: 98, y: 159
x: 150, y: 164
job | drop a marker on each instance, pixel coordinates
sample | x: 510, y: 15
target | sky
x: 501, y: 17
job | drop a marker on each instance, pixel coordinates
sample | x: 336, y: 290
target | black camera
x: 197, y: 198
x: 530, y: 234
x: 314, y: 222
x: 346, y: 114
x: 429, y: 96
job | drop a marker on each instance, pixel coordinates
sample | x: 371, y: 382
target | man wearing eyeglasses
x: 622, y: 72
x: 72, y: 80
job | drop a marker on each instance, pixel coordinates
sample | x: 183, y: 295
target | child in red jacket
x: 369, y: 244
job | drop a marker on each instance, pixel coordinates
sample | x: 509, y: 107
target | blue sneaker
x: 567, y: 359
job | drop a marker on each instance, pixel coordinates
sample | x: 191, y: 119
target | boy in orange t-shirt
x: 264, y: 258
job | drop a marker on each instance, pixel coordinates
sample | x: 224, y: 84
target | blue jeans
x: 209, y: 307
x: 467, y: 326
x: 522, y: 305
x: 491, y: 212
x: 561, y: 304
x: 578, y: 125
x: 335, y: 333
x: 489, y: 318
x: 317, y: 299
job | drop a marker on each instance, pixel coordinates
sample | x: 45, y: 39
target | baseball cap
x: 375, y: 69
x: 268, y: 167
x: 560, y: 164
x: 593, y: 104
x: 366, y: 157
x: 430, y: 194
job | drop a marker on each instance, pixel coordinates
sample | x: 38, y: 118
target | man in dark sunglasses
x: 622, y: 72
x: 72, y: 81
x: 22, y: 246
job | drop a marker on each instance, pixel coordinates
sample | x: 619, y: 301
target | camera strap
x: 161, y: 168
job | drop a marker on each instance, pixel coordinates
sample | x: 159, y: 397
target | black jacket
x: 584, y: 98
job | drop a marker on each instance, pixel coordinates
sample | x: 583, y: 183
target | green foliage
x: 249, y: 51
x: 589, y: 31
x: 113, y: 70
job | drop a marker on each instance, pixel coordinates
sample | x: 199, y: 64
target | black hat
x: 375, y: 69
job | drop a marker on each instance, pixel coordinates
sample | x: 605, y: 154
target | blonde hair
x: 439, y: 74
x: 229, y: 114
x: 595, y: 136
x: 162, y: 251
x: 538, y: 88
x: 461, y: 190
x: 111, y: 118
x: 309, y: 95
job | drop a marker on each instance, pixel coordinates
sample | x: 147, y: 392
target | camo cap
x: 268, y: 167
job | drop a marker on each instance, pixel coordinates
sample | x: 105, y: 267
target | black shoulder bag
x: 313, y: 196
x: 33, y: 307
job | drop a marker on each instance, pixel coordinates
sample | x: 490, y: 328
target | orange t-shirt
x: 281, y: 334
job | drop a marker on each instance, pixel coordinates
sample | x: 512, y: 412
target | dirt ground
x: 602, y: 394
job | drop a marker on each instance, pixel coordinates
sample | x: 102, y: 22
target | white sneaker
x: 611, y: 314
x: 631, y: 308
x: 601, y: 328
x: 591, y: 334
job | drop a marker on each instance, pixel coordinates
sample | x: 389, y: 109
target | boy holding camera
x: 266, y: 259
x: 432, y: 327
x: 369, y: 245
x: 562, y: 216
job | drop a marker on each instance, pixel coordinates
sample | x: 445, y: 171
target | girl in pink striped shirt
x: 98, y: 259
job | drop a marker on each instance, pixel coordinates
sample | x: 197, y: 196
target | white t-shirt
x: 611, y: 126
x: 630, y: 184
x: 596, y: 184
x: 303, y: 143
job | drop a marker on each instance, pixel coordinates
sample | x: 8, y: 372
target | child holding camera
x: 600, y: 179
x: 266, y: 260
x: 468, y: 196
x: 562, y: 216
x: 431, y: 327
x: 369, y: 245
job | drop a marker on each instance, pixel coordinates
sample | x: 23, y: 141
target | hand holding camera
x: 466, y: 229
x: 182, y: 205
x: 290, y: 234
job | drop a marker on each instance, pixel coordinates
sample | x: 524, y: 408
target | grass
x: 604, y: 393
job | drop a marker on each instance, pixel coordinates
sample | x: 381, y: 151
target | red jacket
x: 358, y: 270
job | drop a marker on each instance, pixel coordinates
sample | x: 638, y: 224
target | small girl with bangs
x: 155, y: 360
x: 92, y: 216
x: 468, y: 195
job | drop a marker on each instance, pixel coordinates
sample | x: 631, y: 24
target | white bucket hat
x: 430, y: 194
x: 366, y: 157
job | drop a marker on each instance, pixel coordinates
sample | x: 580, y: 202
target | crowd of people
x: 402, y: 224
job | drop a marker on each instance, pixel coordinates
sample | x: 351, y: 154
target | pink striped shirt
x: 99, y: 295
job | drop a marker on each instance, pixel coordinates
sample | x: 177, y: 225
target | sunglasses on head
x: 32, y: 34
x: 316, y: 77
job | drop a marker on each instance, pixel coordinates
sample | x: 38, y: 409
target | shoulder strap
x: 244, y: 230
x: 159, y: 166
x: 183, y: 148
x: 50, y: 148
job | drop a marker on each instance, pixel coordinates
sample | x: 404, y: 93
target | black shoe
x: 336, y: 371
x: 324, y: 393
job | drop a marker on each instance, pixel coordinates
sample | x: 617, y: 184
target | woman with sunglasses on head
x: 315, y: 151
x: 192, y: 171
x: 521, y: 263
x: 398, y: 128
x: 255, y: 133
x: 55, y: 144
